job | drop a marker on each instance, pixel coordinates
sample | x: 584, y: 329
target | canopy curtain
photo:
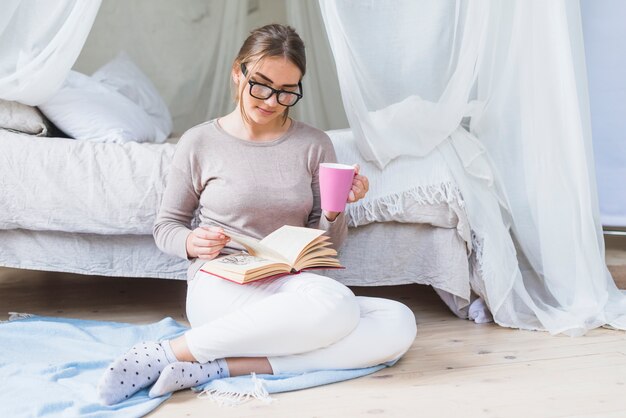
x: 40, y: 40
x: 321, y: 106
x: 412, y: 73
x: 221, y: 49
x: 185, y: 48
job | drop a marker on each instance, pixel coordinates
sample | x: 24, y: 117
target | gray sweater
x: 248, y: 187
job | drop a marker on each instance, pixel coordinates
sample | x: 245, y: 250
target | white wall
x: 264, y: 12
x: 604, y: 30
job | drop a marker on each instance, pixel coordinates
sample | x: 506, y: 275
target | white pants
x: 300, y: 323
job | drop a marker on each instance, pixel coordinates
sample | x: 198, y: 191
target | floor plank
x: 454, y: 368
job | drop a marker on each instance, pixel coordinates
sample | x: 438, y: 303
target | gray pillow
x: 21, y: 118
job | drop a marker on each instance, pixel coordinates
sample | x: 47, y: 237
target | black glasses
x: 263, y: 92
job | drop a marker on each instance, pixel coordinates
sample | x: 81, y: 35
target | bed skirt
x: 378, y: 254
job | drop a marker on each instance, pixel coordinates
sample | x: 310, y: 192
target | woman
x: 251, y: 172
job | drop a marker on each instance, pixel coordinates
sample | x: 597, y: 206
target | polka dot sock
x: 183, y: 375
x: 136, y: 369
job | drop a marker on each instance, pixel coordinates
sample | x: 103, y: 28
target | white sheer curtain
x: 222, y: 49
x: 321, y: 105
x: 411, y: 71
x: 40, y: 41
x: 406, y: 65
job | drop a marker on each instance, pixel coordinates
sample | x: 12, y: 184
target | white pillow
x: 126, y: 78
x: 86, y: 109
x: 22, y: 118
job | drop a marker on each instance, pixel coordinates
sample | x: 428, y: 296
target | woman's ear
x: 234, y: 74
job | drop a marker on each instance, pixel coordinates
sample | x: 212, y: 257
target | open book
x: 288, y: 250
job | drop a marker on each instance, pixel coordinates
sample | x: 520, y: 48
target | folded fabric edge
x: 16, y: 316
x: 233, y: 397
x: 19, y: 316
x: 393, y: 204
x: 241, y: 389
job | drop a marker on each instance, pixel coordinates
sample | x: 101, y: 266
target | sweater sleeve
x: 180, y: 200
x: 337, y: 230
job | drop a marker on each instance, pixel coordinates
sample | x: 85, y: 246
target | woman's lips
x: 265, y: 112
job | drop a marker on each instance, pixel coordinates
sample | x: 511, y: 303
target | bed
x: 88, y: 207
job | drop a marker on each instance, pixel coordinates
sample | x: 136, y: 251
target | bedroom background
x: 186, y: 49
x: 87, y: 207
x: 186, y: 52
x: 182, y: 64
x: 190, y: 75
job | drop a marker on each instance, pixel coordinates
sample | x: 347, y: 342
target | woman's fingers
x: 360, y: 186
x: 365, y: 183
x: 209, y: 244
x: 362, y: 182
x: 206, y: 242
x: 208, y: 252
x: 210, y: 233
x: 204, y: 236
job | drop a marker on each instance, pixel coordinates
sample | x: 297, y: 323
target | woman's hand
x: 360, y: 187
x: 206, y: 242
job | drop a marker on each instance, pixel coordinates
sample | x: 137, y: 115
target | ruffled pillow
x: 122, y: 75
x: 21, y: 118
x: 86, y: 109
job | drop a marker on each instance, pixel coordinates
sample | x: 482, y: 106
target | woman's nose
x: 272, y: 100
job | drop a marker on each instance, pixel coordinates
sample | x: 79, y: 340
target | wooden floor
x: 455, y: 368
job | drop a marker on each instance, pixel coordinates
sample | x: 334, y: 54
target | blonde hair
x: 273, y: 40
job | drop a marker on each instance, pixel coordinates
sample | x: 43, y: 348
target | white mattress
x: 56, y: 184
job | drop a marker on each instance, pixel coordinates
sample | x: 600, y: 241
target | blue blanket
x: 50, y: 367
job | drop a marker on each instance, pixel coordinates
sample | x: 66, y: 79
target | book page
x: 243, y: 268
x: 321, y: 257
x: 240, y: 263
x: 289, y: 241
x: 257, y: 248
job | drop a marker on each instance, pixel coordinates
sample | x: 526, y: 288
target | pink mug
x: 335, y: 185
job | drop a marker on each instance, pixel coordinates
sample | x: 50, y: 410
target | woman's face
x: 276, y: 72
